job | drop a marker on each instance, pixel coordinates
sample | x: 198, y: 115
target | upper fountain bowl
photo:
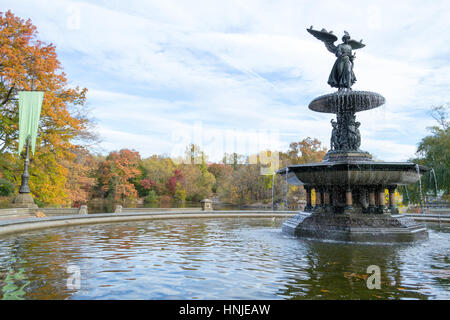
x: 353, y: 101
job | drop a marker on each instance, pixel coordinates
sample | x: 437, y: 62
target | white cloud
x: 391, y: 151
x: 153, y: 67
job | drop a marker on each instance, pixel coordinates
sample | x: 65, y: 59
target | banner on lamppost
x: 30, y: 103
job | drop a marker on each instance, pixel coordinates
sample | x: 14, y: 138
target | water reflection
x: 337, y: 270
x: 232, y: 258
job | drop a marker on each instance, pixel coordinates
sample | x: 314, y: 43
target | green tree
x: 151, y: 197
x: 433, y: 152
x: 197, y: 183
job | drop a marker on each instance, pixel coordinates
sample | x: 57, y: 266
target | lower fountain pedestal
x: 355, y: 227
x: 24, y: 200
x: 347, y: 156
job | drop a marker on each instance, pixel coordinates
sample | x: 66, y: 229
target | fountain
x: 349, y: 185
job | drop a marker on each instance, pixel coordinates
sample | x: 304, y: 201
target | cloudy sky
x: 238, y: 75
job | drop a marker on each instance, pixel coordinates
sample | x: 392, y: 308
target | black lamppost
x: 24, y: 187
x: 30, y: 103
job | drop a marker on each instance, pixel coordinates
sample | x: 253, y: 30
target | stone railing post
x: 83, y: 209
x: 118, y: 209
x: 206, y: 205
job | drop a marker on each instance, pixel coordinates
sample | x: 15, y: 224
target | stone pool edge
x: 30, y: 224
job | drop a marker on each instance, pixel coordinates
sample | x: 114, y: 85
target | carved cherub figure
x: 334, y: 143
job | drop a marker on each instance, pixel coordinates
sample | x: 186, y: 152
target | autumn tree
x: 144, y: 186
x: 27, y: 63
x: 305, y: 151
x: 233, y: 159
x: 175, y: 185
x: 116, y: 174
x: 80, y: 176
x: 174, y: 181
x: 197, y: 183
x: 221, y: 172
x: 192, y: 155
x: 158, y: 169
x: 248, y: 183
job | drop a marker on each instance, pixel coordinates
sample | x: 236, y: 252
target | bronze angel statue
x: 341, y: 76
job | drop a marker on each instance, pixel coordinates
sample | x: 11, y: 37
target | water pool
x: 219, y: 258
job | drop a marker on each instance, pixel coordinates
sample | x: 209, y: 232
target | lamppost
x: 24, y: 187
x: 30, y: 103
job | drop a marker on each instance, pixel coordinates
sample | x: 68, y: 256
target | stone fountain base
x: 355, y: 227
x: 350, y: 188
x: 24, y: 200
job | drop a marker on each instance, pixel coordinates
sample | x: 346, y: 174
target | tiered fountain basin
x: 351, y: 201
x: 350, y: 188
x: 354, y: 173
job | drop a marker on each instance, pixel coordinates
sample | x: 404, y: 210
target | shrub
x: 180, y: 195
x: 6, y: 188
x: 151, y: 197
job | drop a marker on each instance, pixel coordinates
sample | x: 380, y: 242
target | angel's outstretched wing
x: 328, y: 38
x: 356, y: 44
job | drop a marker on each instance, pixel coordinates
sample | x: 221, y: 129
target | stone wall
x: 23, y: 212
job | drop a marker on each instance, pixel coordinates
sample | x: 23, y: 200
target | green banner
x: 30, y: 103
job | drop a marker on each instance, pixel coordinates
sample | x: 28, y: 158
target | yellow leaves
x: 324, y: 290
x: 40, y: 214
x: 24, y: 57
x: 48, y: 178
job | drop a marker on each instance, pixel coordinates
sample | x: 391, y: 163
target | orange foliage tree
x: 80, y: 178
x: 27, y: 63
x: 117, y: 172
x: 306, y: 151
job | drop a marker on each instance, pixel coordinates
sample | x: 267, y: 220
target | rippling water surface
x: 228, y: 258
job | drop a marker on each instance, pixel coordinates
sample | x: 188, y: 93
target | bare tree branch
x: 8, y: 95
